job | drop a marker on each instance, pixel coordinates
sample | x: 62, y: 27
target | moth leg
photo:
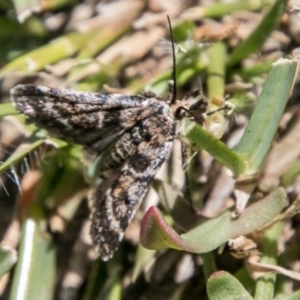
x: 186, y: 190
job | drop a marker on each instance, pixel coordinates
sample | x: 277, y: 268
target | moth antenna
x: 174, y: 90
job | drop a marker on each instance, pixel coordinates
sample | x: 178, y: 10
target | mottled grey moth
x: 134, y: 135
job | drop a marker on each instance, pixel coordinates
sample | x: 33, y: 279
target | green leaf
x: 294, y: 296
x: 223, y: 286
x: 209, y: 234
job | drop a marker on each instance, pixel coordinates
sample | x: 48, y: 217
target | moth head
x: 194, y: 104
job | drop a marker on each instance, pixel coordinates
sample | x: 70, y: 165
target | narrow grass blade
x: 264, y: 121
x: 221, y: 8
x: 215, y: 147
x: 58, y: 49
x: 255, y: 41
x: 215, y: 123
x: 34, y: 276
x: 19, y: 154
x: 216, y: 70
x: 265, y: 286
x: 7, y: 109
x: 8, y: 258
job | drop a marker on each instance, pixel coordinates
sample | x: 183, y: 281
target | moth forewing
x: 133, y: 142
x: 89, y: 119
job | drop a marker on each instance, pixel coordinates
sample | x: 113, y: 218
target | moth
x: 133, y: 134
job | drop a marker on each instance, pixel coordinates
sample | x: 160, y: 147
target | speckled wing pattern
x: 134, y: 135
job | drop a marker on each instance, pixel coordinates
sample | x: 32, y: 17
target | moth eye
x: 180, y: 113
x: 201, y: 104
